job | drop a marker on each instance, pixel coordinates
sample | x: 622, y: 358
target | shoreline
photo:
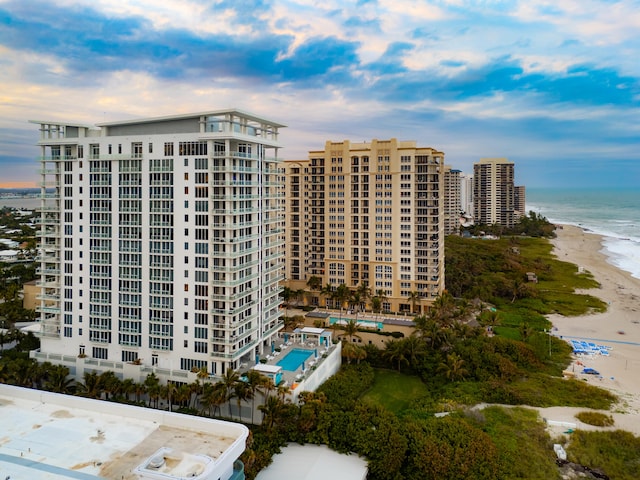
x: 618, y: 328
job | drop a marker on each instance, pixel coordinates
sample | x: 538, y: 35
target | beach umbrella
x: 315, y: 352
x: 303, y: 366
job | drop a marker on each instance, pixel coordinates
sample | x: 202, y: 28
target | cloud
x: 527, y: 80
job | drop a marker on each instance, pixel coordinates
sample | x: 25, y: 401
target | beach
x: 618, y: 328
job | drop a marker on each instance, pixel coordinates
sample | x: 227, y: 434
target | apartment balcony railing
x: 232, y: 268
x: 55, y: 158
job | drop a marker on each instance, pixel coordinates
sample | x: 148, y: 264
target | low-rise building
x: 50, y: 435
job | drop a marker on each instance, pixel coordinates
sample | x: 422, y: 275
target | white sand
x: 618, y: 328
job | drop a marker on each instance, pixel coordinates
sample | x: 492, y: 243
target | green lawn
x: 395, y: 391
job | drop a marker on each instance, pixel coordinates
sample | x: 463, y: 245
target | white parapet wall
x: 326, y: 368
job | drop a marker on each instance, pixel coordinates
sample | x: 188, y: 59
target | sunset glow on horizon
x: 18, y: 185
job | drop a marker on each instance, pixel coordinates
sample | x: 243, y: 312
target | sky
x: 552, y: 85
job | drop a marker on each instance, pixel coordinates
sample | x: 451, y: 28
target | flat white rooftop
x: 314, y: 462
x: 55, y: 437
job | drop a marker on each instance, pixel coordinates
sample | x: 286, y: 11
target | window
x: 100, y: 352
x: 192, y: 148
x: 168, y: 149
x: 129, y: 356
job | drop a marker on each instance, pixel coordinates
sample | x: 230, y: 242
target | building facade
x: 520, y: 200
x: 452, y: 200
x: 367, y: 215
x: 466, y: 194
x: 493, y: 192
x: 161, y: 242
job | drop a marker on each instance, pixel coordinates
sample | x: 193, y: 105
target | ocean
x: 612, y: 213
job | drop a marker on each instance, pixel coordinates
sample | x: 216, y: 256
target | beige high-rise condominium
x: 369, y: 216
x: 493, y: 192
x: 452, y: 200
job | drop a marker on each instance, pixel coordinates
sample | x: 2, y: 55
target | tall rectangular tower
x: 520, y: 200
x: 452, y: 200
x: 493, y: 192
x: 161, y: 243
x: 368, y: 214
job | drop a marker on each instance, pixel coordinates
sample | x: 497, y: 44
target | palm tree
x: 382, y: 298
x: 282, y: 391
x: 395, y: 351
x: 59, y: 381
x: 268, y: 386
x: 169, y: 392
x: 328, y: 292
x: 213, y: 396
x: 128, y: 388
x: 350, y: 329
x: 183, y: 395
x: 314, y: 283
x: 355, y: 301
x: 453, y: 369
x: 202, y: 375
x: 139, y: 390
x: 364, y: 292
x: 91, y: 387
x: 415, y: 298
x: 241, y: 391
x: 271, y: 411
x: 110, y: 384
x: 342, y: 294
x: 376, y: 304
x: 351, y: 351
x: 525, y: 331
x: 255, y: 380
x: 415, y: 349
x: 443, y: 309
x: 229, y: 380
x: 152, y: 385
x: 287, y: 295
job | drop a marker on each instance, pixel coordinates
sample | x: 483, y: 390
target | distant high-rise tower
x: 466, y: 193
x: 520, y: 200
x: 161, y: 243
x: 452, y: 200
x: 367, y: 214
x: 493, y: 192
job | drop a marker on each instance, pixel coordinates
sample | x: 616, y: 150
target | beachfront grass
x: 616, y: 453
x: 395, y: 391
x: 521, y: 440
x: 595, y: 418
x: 490, y: 270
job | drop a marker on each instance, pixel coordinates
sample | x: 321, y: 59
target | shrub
x: 595, y: 418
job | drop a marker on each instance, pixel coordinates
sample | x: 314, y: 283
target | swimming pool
x: 361, y: 323
x: 292, y: 361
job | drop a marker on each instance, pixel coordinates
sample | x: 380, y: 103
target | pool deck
x: 285, y: 347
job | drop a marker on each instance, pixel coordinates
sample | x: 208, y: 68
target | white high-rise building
x: 161, y: 243
x: 466, y: 193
